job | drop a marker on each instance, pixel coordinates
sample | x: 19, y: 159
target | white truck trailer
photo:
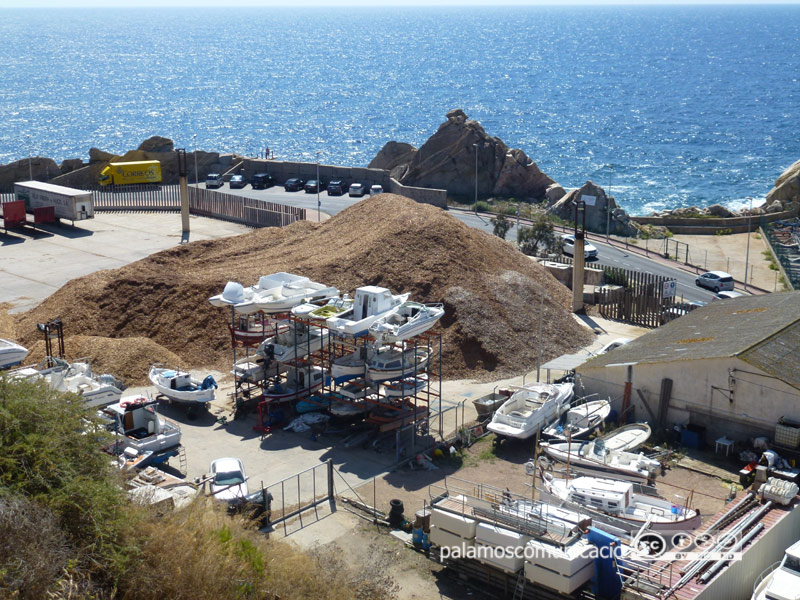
x: 69, y: 203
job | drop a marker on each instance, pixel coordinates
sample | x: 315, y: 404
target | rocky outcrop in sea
x: 600, y: 209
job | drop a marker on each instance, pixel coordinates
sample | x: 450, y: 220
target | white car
x: 214, y: 180
x: 613, y: 345
x: 357, y: 190
x: 727, y: 295
x: 375, y: 190
x: 228, y: 481
x: 716, y: 281
x: 568, y: 247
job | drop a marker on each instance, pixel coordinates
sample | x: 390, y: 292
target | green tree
x: 501, y: 226
x: 539, y: 238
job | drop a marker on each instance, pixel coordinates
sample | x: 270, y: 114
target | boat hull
x: 195, y: 395
x: 576, y: 461
x: 11, y: 354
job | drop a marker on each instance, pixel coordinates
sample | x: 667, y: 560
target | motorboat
x: 390, y: 416
x: 407, y: 386
x: 392, y: 362
x: 357, y: 388
x: 349, y: 366
x: 298, y: 382
x: 579, y: 421
x: 252, y: 329
x: 488, y: 403
x: 530, y: 409
x: 11, y: 354
x: 235, y: 294
x: 409, y: 320
x: 594, y: 456
x: 369, y: 304
x: 137, y: 424
x: 297, y: 341
x: 180, y: 386
x: 628, y: 437
x: 629, y: 504
x: 782, y: 580
x: 96, y: 390
x: 334, y: 307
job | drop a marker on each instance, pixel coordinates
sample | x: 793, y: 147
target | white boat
x: 284, y: 298
x: 370, y: 304
x: 391, y: 362
x: 349, y: 366
x: 334, y: 307
x: 579, y: 421
x: 297, y: 341
x: 235, y: 294
x: 781, y: 581
x: 357, y: 389
x: 11, y: 354
x: 137, y: 424
x: 627, y: 437
x: 181, y: 386
x: 76, y: 377
x: 409, y: 320
x: 408, y: 386
x: 624, y: 501
x: 299, y: 382
x: 530, y: 409
x: 594, y: 456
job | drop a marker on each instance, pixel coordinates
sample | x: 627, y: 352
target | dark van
x: 261, y: 181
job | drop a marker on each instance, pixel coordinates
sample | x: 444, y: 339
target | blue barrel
x: 416, y: 536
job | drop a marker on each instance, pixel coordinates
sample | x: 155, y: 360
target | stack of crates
x: 787, y: 433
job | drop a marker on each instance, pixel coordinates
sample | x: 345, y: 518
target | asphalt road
x: 607, y: 255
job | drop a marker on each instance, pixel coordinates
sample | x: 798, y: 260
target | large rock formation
x: 786, y: 190
x: 157, y: 143
x: 598, y: 208
x: 39, y: 167
x: 448, y: 161
x: 393, y: 154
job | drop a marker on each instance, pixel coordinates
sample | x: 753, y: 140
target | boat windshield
x: 791, y: 564
x: 229, y: 478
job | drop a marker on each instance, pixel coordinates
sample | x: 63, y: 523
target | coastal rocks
x: 775, y: 207
x: 554, y: 193
x: 601, y: 210
x: 449, y: 158
x: 787, y: 189
x: 39, y: 167
x: 96, y: 155
x: 393, y: 154
x: 718, y: 210
x: 157, y: 143
x: 70, y: 164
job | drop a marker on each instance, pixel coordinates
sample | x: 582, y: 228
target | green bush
x: 482, y: 206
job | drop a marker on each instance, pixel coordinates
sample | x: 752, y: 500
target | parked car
x: 613, y: 345
x: 727, y: 295
x: 214, y: 180
x: 237, y: 182
x: 262, y: 181
x: 357, y: 190
x: 312, y: 186
x: 375, y: 190
x: 715, y: 280
x: 229, y: 482
x: 293, y: 185
x: 336, y: 188
x: 568, y: 247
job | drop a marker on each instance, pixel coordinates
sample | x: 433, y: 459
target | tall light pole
x: 195, y: 160
x: 747, y: 254
x: 30, y: 167
x: 608, y: 202
x: 476, y: 178
x: 319, y: 217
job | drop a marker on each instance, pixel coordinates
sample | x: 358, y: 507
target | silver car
x: 716, y: 281
x: 228, y: 481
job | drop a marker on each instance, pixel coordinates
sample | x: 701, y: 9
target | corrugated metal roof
x: 720, y: 329
x: 567, y: 362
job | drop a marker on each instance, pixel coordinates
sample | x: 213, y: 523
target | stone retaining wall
x: 712, y: 225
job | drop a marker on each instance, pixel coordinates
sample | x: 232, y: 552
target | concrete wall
x: 424, y: 195
x: 700, y: 395
x: 712, y: 225
x: 563, y: 273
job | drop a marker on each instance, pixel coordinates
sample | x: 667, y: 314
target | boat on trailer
x: 180, y: 386
x: 530, y: 409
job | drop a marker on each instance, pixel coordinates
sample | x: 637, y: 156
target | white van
x: 214, y: 180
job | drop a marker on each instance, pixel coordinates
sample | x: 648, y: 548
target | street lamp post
x: 319, y: 218
x: 195, y: 160
x: 30, y: 167
x: 747, y: 254
x: 608, y: 202
x: 476, y: 178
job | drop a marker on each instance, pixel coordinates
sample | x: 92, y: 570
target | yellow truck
x: 124, y: 173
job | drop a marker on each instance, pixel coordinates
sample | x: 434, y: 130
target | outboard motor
x: 208, y: 383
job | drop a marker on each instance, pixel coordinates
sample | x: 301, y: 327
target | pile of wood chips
x: 490, y: 290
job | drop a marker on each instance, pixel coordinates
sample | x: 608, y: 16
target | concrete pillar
x: 184, y: 204
x: 579, y: 260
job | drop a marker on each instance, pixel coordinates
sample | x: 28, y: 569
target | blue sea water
x: 692, y: 105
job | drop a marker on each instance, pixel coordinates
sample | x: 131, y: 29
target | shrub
x: 482, y: 206
x: 539, y: 238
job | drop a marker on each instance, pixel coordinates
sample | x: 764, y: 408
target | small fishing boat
x: 11, y: 354
x: 349, y: 408
x: 357, y: 388
x: 629, y: 504
x: 96, y: 390
x: 297, y: 341
x: 780, y: 581
x: 298, y: 382
x: 137, y: 424
x: 349, y: 366
x: 284, y: 298
x: 390, y: 416
x: 236, y: 295
x: 628, y: 437
x: 579, y: 421
x: 315, y: 403
x: 180, y: 386
x: 392, y: 362
x: 254, y: 368
x: 409, y: 320
x: 252, y: 329
x: 408, y: 386
x: 594, y: 456
x: 487, y: 404
x: 370, y: 304
x: 334, y: 307
x: 530, y: 409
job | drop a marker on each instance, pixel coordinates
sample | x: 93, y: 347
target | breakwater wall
x: 710, y: 226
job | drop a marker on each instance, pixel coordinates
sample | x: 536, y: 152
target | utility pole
x: 195, y: 160
x: 578, y: 256
x: 608, y: 202
x: 319, y: 217
x: 476, y: 178
x: 747, y: 254
x: 30, y: 167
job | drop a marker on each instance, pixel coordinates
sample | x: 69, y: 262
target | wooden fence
x: 202, y: 202
x: 640, y: 300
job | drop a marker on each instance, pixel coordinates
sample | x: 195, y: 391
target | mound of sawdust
x: 128, y: 359
x: 8, y: 329
x: 490, y: 290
